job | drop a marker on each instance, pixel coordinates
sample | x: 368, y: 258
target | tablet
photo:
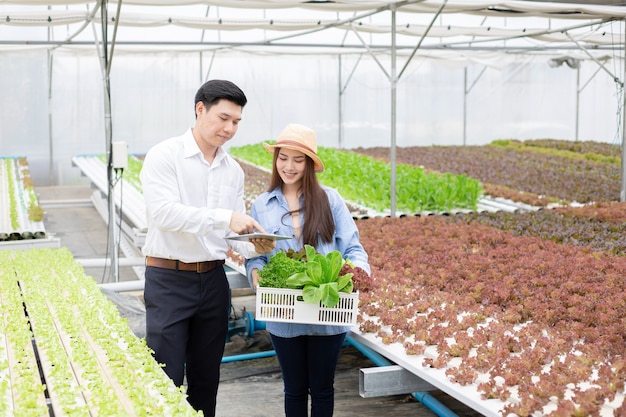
x: 248, y: 236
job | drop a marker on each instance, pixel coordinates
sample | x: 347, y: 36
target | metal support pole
x: 114, y: 235
x: 394, y: 84
x: 623, y: 172
x: 577, y: 101
x: 339, y: 105
x: 108, y: 134
x: 464, y: 105
x: 50, y: 139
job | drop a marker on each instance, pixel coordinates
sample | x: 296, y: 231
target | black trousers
x: 186, y: 327
x: 308, y: 366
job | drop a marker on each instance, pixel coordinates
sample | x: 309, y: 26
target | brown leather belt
x: 199, y: 267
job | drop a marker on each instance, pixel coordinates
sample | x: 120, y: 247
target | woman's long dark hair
x: 318, y: 217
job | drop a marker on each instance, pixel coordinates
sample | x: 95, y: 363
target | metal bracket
x: 390, y: 380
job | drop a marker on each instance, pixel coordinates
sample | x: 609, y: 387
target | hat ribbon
x: 288, y: 142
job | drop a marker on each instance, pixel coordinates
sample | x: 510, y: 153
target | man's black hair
x: 214, y: 90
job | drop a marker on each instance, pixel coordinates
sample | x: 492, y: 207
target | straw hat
x: 299, y: 138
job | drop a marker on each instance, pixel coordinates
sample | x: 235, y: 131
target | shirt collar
x: 191, y: 148
x: 276, y: 193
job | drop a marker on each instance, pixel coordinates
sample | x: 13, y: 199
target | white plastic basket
x: 286, y: 305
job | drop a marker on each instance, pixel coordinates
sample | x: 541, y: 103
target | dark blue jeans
x: 186, y: 326
x: 308, y: 366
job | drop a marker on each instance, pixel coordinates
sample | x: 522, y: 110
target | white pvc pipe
x: 102, y: 262
x: 122, y: 286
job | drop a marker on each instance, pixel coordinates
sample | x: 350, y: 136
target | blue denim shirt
x: 268, y: 209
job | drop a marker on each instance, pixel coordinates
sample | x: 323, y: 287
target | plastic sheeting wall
x: 152, y: 99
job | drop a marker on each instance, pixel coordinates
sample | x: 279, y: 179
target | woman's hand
x: 263, y: 246
x: 255, y: 278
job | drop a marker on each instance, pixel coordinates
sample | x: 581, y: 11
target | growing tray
x: 286, y: 305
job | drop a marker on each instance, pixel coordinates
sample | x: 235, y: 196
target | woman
x: 297, y: 205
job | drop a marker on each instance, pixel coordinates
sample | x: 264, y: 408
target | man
x: 194, y: 198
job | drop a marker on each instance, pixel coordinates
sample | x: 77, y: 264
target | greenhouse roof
x: 328, y: 26
x: 490, y: 33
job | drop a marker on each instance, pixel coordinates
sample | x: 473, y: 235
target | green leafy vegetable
x: 319, y: 276
x: 417, y: 189
x: 280, y: 267
x: 320, y: 281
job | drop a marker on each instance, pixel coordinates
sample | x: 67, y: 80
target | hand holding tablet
x: 248, y: 236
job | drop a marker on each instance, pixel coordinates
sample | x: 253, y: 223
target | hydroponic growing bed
x: 21, y: 217
x: 127, y: 190
x: 512, y: 325
x: 65, y: 351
